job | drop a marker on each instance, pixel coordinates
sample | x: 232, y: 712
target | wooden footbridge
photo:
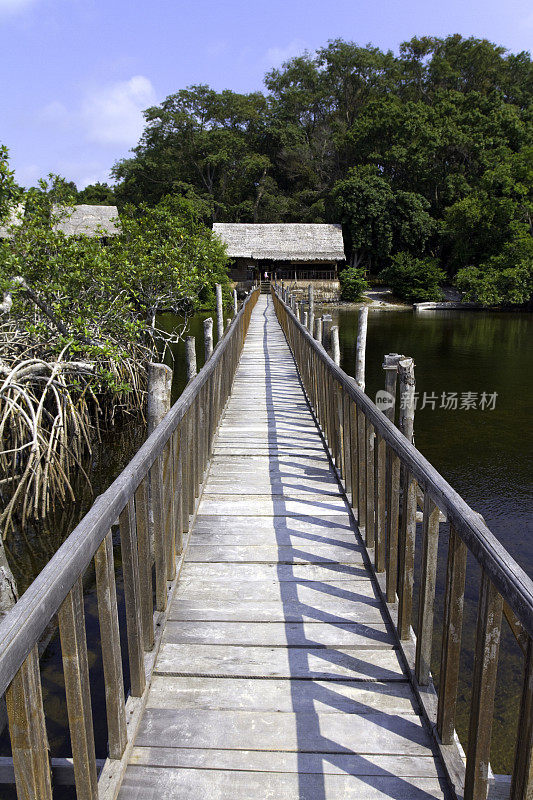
x: 274, y: 645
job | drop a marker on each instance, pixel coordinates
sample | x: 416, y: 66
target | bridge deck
x: 278, y: 675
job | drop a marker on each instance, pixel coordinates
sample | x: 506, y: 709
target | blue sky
x: 77, y: 73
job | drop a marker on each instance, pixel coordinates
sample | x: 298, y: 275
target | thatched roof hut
x: 88, y: 220
x: 290, y: 242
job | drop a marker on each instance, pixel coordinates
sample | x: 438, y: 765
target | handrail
x: 381, y: 471
x: 173, y: 459
x: 508, y: 576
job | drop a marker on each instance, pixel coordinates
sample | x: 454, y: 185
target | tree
x: 97, y: 194
x: 10, y: 192
x: 414, y: 279
x: 353, y: 284
x: 380, y: 221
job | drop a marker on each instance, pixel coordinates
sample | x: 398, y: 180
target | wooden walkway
x: 278, y: 675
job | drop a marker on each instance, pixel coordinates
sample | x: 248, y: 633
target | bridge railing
x: 156, y: 492
x: 381, y: 470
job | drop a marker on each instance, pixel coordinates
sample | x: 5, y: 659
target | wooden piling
x: 235, y: 303
x: 361, y: 347
x: 335, y: 347
x: 327, y: 323
x: 208, y: 338
x: 190, y: 357
x: 159, y: 393
x: 318, y: 329
x: 220, y: 314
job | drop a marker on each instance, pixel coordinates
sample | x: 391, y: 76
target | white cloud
x: 112, y: 114
x: 13, y: 6
x: 276, y: 56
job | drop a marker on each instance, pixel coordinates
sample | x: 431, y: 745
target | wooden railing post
x: 111, y: 652
x: 208, y: 338
x: 451, y: 637
x: 27, y: 729
x: 483, y: 690
x: 428, y: 578
x: 522, y: 781
x: 130, y: 572
x: 77, y: 689
x: 219, y: 312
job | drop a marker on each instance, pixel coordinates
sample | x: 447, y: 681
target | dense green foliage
x: 427, y: 152
x: 414, y: 279
x: 98, y: 299
x: 97, y: 194
x: 353, y: 284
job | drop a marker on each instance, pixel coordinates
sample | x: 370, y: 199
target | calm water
x: 485, y: 455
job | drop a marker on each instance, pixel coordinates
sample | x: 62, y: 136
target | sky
x: 76, y: 74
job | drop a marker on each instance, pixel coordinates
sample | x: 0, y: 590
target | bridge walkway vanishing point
x: 278, y: 674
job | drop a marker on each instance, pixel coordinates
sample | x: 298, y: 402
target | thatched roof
x: 282, y: 242
x: 88, y: 220
x: 14, y: 218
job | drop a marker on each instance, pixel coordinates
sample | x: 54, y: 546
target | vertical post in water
x: 159, y: 391
x: 390, y: 365
x: 208, y: 338
x: 305, y: 321
x: 220, y: 316
x: 335, y: 347
x: 327, y: 323
x: 235, y: 303
x: 311, y: 309
x: 361, y: 348
x: 318, y: 329
x: 406, y: 375
x: 190, y: 357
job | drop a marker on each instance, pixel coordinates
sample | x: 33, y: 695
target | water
x: 484, y: 454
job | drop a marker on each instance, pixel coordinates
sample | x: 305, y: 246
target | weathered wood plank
x: 333, y: 697
x: 191, y: 784
x: 277, y: 662
x: 264, y: 730
x: 279, y: 634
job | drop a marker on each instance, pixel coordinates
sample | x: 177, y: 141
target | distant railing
x: 381, y: 471
x: 161, y: 482
x: 306, y: 275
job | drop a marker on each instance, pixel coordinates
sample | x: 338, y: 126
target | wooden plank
x: 264, y: 730
x: 407, y: 558
x: 279, y: 634
x: 522, y: 780
x: 77, y: 689
x: 27, y: 730
x: 303, y: 553
x: 145, y: 564
x: 277, y: 662
x: 190, y: 784
x: 130, y: 571
x: 428, y: 578
x: 303, y: 763
x: 284, y: 572
x: 111, y: 652
x: 451, y: 637
x: 333, y: 697
x: 483, y: 690
x: 265, y: 505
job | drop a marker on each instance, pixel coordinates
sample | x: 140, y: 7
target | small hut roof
x: 282, y: 242
x: 13, y: 218
x: 88, y: 220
